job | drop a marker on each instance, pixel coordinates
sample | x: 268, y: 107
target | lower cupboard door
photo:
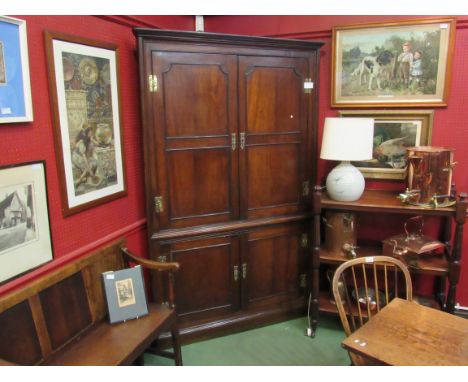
x: 274, y: 265
x: 207, y: 283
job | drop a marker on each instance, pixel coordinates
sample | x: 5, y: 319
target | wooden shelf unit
x: 446, y: 267
x: 435, y: 265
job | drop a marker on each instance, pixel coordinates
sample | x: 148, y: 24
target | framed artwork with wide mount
x: 393, y: 64
x: 125, y: 294
x: 84, y: 86
x: 15, y: 87
x: 25, y: 240
x: 394, y: 132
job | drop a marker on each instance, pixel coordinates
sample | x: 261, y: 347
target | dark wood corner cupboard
x: 230, y: 145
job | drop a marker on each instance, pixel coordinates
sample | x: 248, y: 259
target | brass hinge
x: 304, y: 240
x: 152, y: 83
x: 308, y: 85
x: 158, y: 204
x: 305, y: 188
x: 303, y: 280
x: 244, y: 271
x: 236, y: 272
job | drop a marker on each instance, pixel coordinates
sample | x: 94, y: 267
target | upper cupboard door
x: 195, y: 119
x: 273, y: 135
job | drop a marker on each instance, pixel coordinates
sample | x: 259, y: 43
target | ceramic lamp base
x: 345, y: 183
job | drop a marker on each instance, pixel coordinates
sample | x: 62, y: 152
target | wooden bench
x: 61, y: 318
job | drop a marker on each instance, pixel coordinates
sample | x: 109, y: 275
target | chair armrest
x: 150, y: 264
x: 156, y: 266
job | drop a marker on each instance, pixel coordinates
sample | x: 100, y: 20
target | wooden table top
x: 407, y: 334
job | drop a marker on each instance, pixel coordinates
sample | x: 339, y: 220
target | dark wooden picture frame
x: 369, y: 68
x: 86, y: 108
x: 25, y: 234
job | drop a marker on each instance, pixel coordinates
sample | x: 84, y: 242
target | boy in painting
x: 84, y: 158
x: 416, y: 71
x: 405, y: 59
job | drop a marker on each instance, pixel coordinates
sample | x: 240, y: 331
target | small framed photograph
x: 394, y: 64
x: 394, y: 132
x: 15, y: 87
x: 84, y: 86
x: 25, y: 241
x: 125, y: 294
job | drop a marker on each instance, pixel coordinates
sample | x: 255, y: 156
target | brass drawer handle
x: 242, y: 141
x: 233, y: 141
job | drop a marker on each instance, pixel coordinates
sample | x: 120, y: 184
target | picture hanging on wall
x: 399, y: 64
x: 25, y: 241
x: 394, y: 132
x: 84, y: 86
x: 15, y: 87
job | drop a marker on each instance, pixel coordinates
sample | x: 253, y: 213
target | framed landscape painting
x: 84, y: 86
x: 399, y: 64
x: 394, y: 132
x: 15, y: 87
x: 25, y: 241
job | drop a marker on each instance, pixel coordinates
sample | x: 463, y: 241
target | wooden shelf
x: 383, y: 201
x: 436, y: 265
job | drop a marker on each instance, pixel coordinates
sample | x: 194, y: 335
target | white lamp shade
x: 347, y: 139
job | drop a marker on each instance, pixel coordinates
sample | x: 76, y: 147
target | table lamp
x: 347, y: 139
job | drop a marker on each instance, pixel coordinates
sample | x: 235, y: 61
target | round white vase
x: 345, y: 183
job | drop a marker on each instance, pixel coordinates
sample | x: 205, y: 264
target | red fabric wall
x: 22, y: 142
x: 450, y: 129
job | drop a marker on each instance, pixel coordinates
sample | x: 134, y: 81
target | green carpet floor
x: 282, y: 344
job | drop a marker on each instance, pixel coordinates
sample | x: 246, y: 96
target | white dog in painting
x: 376, y: 68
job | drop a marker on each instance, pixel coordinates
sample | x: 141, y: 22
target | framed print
x: 394, y: 132
x: 15, y: 87
x: 84, y: 86
x: 398, y: 64
x: 25, y: 241
x: 125, y: 294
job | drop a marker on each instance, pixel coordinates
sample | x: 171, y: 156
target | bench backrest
x: 45, y: 315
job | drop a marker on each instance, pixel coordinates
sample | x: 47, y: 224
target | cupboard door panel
x: 198, y: 184
x: 276, y: 189
x: 197, y: 168
x: 205, y: 284
x: 273, y: 120
x: 275, y: 259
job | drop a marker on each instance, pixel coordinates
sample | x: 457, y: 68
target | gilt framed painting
x: 395, y: 64
x: 15, y: 87
x: 394, y: 132
x: 25, y: 240
x: 84, y: 86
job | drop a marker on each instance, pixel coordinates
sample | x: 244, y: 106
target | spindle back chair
x: 373, y: 281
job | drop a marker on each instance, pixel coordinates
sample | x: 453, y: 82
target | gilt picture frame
x: 84, y: 87
x: 25, y: 237
x: 394, y: 64
x: 15, y: 85
x: 394, y: 132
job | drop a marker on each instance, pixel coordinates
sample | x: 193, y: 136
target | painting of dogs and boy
x: 393, y: 64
